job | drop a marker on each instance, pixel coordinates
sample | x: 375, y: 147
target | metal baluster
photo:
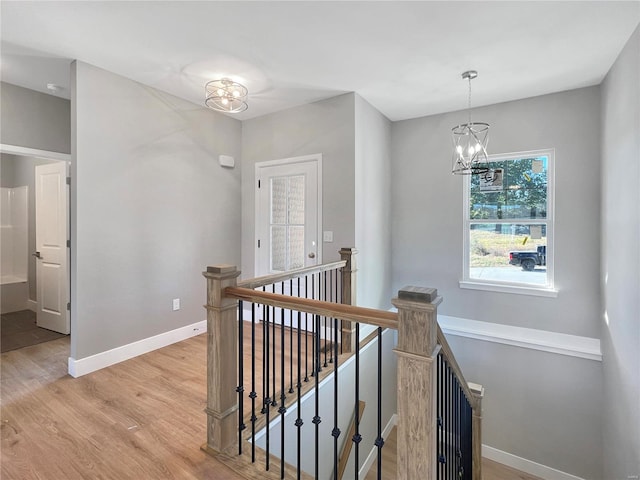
x: 468, y: 464
x: 456, y: 437
x: 306, y: 335
x: 339, y: 300
x: 253, y: 393
x: 299, y: 421
x: 240, y: 387
x: 316, y: 419
x: 265, y: 357
x: 439, y: 421
x: 334, y: 337
x: 324, y: 297
x: 291, y: 338
x: 282, y: 410
x: 451, y: 457
x: 314, y: 331
x: 267, y: 400
x: 379, y: 441
x: 274, y: 402
x: 357, y: 437
x: 335, y: 433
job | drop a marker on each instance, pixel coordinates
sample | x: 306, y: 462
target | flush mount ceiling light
x: 226, y: 96
x: 470, y: 141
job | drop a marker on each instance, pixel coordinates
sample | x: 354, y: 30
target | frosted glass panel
x: 296, y: 247
x: 287, y: 222
x: 278, y: 248
x: 296, y: 200
x: 279, y: 200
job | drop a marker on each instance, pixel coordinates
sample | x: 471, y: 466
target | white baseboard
x: 371, y: 458
x: 524, y: 465
x: 32, y: 305
x: 95, y: 362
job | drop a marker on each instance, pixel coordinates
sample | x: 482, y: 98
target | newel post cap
x: 418, y: 294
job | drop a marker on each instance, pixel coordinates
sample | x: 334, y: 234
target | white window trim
x: 548, y: 290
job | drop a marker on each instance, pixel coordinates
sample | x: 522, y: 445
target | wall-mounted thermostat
x: 227, y: 161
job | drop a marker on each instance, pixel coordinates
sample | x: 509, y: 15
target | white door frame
x: 317, y: 158
x: 49, y: 155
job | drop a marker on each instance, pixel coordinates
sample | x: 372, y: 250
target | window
x: 508, y: 225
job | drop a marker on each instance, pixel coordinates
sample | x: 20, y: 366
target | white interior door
x: 51, y: 247
x: 288, y: 214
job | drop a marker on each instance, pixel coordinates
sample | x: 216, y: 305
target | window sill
x: 517, y: 289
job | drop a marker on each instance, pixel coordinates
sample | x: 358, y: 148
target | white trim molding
x: 34, y: 152
x: 524, y: 465
x: 373, y: 454
x: 543, y: 340
x: 86, y: 365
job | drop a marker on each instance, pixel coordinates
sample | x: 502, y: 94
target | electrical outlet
x: 176, y: 304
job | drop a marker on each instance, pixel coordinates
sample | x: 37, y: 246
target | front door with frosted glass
x: 287, y: 215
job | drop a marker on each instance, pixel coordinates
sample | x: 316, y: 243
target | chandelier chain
x: 469, y: 107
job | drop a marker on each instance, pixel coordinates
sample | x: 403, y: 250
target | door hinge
x: 68, y: 243
x: 68, y: 305
x: 258, y: 243
x: 68, y: 180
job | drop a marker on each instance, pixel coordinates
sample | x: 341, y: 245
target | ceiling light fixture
x: 470, y: 141
x: 226, y: 96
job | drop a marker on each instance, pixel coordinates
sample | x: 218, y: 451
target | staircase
x: 305, y: 378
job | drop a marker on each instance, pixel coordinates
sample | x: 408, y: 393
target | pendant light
x: 470, y: 141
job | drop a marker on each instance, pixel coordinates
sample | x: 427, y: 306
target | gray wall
x: 34, y: 120
x: 325, y: 127
x: 372, y: 205
x: 427, y: 250
x: 621, y: 262
x: 427, y: 209
x: 18, y: 170
x: 151, y: 208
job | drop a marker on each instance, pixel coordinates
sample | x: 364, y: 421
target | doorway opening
x: 35, y: 298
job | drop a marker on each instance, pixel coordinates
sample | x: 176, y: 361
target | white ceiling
x: 405, y: 58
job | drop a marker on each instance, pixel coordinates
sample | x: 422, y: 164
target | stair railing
x: 428, y: 437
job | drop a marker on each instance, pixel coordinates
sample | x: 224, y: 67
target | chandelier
x: 226, y: 96
x: 470, y: 142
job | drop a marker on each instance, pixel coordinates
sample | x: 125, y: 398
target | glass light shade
x: 226, y: 96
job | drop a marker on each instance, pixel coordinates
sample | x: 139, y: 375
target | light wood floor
x: 140, y: 419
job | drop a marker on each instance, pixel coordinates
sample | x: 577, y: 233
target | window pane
x: 508, y: 252
x: 296, y: 247
x: 512, y: 189
x: 296, y: 200
x: 278, y: 248
x: 279, y: 200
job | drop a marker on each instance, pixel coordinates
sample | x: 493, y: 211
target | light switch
x: 327, y: 236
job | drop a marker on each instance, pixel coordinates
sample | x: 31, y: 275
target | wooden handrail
x: 370, y: 316
x: 281, y: 277
x: 457, y: 371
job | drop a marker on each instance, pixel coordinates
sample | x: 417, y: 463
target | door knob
x: 37, y: 255
x: 312, y: 255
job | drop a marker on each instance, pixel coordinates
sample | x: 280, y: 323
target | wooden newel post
x: 476, y: 428
x: 222, y: 358
x: 349, y: 296
x: 417, y: 352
